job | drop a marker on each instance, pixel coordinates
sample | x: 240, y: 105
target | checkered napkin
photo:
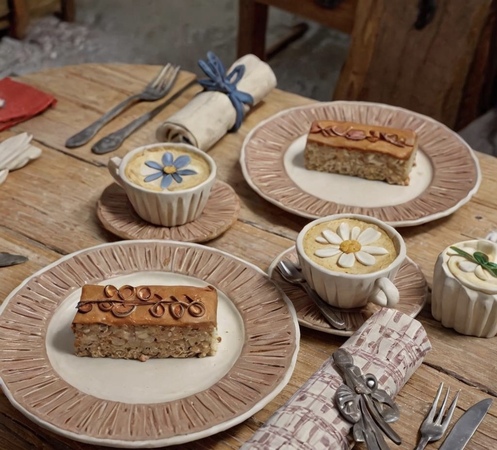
x: 20, y: 102
x: 390, y: 345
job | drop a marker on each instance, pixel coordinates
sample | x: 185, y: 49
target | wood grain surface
x: 49, y: 210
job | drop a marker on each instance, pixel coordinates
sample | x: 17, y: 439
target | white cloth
x: 209, y: 115
x: 390, y: 345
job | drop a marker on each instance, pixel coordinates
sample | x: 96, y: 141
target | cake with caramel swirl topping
x: 366, y: 151
x: 145, y: 322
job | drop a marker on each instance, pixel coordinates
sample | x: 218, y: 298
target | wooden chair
x: 16, y: 13
x: 447, y: 69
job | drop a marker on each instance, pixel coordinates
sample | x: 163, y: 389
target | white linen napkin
x: 210, y: 114
x: 15, y: 153
x: 390, y: 345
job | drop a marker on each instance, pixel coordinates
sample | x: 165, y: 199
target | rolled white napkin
x: 390, y: 345
x: 210, y: 114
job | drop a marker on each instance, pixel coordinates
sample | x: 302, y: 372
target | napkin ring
x: 360, y: 402
x: 219, y: 81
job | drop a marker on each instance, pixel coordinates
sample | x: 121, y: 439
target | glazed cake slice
x: 145, y: 322
x: 366, y: 151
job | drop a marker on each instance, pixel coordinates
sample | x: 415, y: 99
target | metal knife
x: 465, y: 427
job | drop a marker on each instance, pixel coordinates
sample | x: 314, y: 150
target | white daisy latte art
x: 350, y: 246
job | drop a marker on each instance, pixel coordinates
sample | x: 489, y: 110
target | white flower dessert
x: 464, y: 295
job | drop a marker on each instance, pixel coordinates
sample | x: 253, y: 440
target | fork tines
x: 436, y: 423
x: 440, y: 415
x: 165, y: 77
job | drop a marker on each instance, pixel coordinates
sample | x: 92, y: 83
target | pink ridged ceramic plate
x: 132, y: 404
x: 445, y: 177
x: 220, y: 213
x: 410, y: 282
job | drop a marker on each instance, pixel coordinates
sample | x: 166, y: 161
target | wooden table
x: 48, y: 210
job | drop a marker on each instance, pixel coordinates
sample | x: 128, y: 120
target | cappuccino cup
x: 167, y: 184
x: 351, y: 259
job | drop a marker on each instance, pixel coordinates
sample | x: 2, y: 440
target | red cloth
x: 21, y: 102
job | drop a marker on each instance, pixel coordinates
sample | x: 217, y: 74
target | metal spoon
x: 292, y: 274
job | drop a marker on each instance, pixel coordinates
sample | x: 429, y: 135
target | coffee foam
x: 311, y: 245
x: 136, y: 170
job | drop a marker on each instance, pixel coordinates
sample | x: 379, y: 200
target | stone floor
x: 179, y: 31
x: 156, y: 31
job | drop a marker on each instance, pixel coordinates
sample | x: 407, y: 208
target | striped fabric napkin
x: 20, y: 102
x: 390, y: 345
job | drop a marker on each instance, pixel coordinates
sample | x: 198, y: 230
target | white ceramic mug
x: 164, y: 207
x: 349, y: 290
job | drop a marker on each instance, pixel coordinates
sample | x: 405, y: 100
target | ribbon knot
x: 226, y: 83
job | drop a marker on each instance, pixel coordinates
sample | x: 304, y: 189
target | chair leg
x: 68, y: 10
x: 19, y: 18
x: 252, y: 24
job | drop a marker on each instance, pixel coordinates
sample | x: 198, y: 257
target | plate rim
x: 176, y: 439
x: 399, y: 223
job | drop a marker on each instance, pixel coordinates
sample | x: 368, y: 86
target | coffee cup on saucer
x: 168, y: 184
x: 351, y: 259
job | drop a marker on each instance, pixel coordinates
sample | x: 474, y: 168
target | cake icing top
x: 175, y: 305
x: 388, y: 140
x: 474, y: 265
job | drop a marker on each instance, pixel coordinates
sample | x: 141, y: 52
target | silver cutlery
x: 155, y: 90
x: 363, y: 404
x: 466, y: 426
x: 435, y: 424
x: 291, y: 273
x: 114, y: 140
x: 8, y: 259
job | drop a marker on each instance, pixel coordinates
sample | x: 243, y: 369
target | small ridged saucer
x: 118, y: 216
x: 410, y: 282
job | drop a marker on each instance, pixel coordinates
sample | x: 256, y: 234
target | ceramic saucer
x: 220, y: 213
x: 410, y: 281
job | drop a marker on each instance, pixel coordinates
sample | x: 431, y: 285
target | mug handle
x: 113, y: 167
x: 387, y: 293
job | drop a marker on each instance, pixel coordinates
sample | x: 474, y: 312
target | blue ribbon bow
x: 219, y: 81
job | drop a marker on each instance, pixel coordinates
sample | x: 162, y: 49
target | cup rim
x: 391, y: 231
x: 193, y: 149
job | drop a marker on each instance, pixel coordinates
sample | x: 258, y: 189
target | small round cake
x: 464, y: 294
x: 350, y: 246
x: 167, y: 168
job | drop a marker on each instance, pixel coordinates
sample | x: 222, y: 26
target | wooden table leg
x: 252, y: 24
x: 68, y: 10
x: 19, y: 18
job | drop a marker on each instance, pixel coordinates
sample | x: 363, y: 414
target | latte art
x: 350, y: 246
x: 167, y: 168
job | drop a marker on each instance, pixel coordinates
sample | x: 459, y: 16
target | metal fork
x: 432, y: 429
x: 114, y: 140
x: 155, y: 90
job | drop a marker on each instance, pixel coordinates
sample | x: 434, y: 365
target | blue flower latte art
x: 171, y: 169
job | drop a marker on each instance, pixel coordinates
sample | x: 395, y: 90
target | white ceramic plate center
x: 355, y: 191
x: 154, y: 381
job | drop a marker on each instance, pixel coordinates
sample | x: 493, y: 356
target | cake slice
x: 366, y: 151
x: 145, y: 322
